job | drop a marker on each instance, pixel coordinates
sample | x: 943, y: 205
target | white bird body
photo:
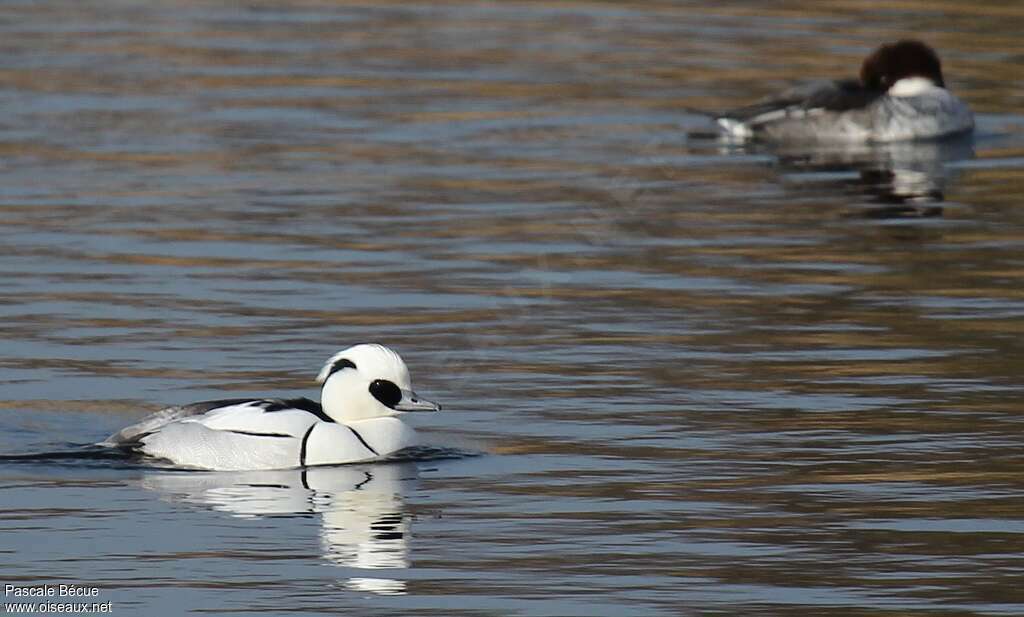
x: 365, y: 388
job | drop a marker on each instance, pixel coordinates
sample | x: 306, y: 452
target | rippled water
x: 704, y: 380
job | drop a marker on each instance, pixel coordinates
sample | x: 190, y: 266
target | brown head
x: 907, y: 58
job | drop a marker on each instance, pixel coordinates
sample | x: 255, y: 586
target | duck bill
x: 411, y: 402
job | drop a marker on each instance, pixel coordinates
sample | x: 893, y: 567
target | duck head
x: 368, y: 381
x: 904, y: 59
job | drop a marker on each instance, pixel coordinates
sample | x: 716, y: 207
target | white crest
x: 372, y: 360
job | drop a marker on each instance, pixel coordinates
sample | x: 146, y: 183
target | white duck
x: 365, y: 388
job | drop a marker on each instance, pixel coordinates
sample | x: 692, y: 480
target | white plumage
x: 364, y: 389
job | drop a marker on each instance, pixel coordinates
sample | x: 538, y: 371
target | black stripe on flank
x: 254, y: 434
x: 362, y: 441
x: 302, y: 448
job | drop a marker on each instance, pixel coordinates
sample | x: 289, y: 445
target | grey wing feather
x: 842, y: 96
x: 829, y: 95
x: 130, y: 435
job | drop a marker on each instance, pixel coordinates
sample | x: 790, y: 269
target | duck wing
x: 239, y: 415
x: 835, y: 96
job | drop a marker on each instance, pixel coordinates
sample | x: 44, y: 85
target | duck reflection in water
x: 901, y: 180
x: 895, y: 180
x: 363, y: 522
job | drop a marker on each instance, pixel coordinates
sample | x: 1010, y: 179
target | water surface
x: 706, y: 379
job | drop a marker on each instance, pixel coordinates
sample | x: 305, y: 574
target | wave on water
x: 78, y: 454
x: 430, y: 453
x: 75, y: 454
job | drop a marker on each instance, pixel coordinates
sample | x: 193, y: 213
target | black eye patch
x: 341, y: 364
x: 386, y: 392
